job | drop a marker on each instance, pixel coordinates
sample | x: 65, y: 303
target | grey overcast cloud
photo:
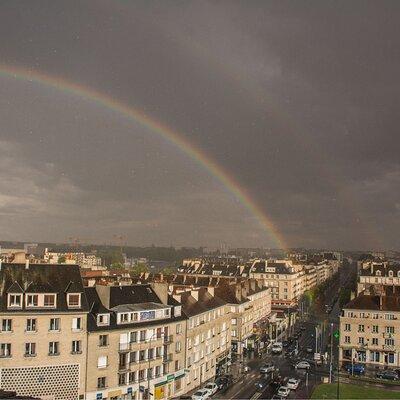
x: 297, y: 100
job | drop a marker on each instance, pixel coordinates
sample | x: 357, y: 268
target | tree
x: 62, y: 259
x: 139, y: 269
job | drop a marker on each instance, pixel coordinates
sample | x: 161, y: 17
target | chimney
x: 210, y: 290
x: 27, y: 263
x: 177, y: 297
x: 195, y: 294
x: 161, y: 290
x: 380, y: 302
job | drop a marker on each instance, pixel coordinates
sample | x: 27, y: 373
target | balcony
x: 168, y: 339
x: 123, y: 367
x: 167, y: 358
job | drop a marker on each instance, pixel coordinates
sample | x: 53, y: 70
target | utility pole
x: 330, y: 358
x: 316, y: 339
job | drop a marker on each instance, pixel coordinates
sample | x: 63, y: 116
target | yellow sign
x: 159, y: 392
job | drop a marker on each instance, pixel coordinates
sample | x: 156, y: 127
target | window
x: 103, y: 340
x: 54, y: 324
x: 54, y: 348
x: 347, y: 339
x: 142, y: 355
x: 31, y: 325
x: 123, y: 317
x: 133, y: 337
x: 74, y: 300
x: 6, y: 325
x: 178, y: 329
x: 76, y: 324
x: 375, y: 329
x: 389, y: 316
x: 177, y: 365
x: 49, y: 300
x: 102, y: 319
x: 102, y: 362
x: 347, y: 327
x: 132, y: 357
x: 374, y: 356
x: 15, y: 300
x: 30, y: 349
x: 101, y: 382
x: 360, y: 328
x: 360, y: 340
x: 391, y: 273
x: 121, y: 379
x: 158, y: 352
x: 158, y: 371
x: 131, y: 377
x: 178, y: 347
x: 141, y: 375
x: 150, y: 373
x: 142, y: 336
x: 32, y: 300
x: 389, y: 342
x: 375, y: 341
x: 389, y: 329
x: 76, y: 347
x: 5, y: 350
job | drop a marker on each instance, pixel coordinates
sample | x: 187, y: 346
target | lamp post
x: 149, y: 360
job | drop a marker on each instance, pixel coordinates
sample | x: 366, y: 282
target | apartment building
x: 285, y: 280
x: 370, y: 328
x: 43, y: 342
x: 136, y: 342
x: 250, y: 304
x: 208, y: 334
x: 372, y: 273
x: 248, y: 300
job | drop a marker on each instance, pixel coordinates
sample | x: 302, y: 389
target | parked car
x: 262, y: 384
x: 283, y: 391
x: 223, y: 382
x: 212, y: 387
x: 277, y: 348
x: 355, y: 369
x: 388, y: 375
x: 302, y: 328
x: 267, y: 368
x: 285, y: 343
x: 278, y: 381
x: 309, y: 349
x: 201, y: 394
x: 303, y: 365
x: 293, y: 383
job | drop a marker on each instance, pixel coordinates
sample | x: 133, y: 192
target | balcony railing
x: 168, y: 339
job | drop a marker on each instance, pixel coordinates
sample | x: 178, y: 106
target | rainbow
x: 164, y: 131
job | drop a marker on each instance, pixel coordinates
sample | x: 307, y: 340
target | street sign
x: 336, y: 334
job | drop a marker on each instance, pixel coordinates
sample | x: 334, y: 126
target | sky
x: 297, y: 101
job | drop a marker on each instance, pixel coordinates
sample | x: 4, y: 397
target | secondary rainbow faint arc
x: 167, y: 133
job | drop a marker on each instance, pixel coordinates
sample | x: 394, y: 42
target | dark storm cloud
x: 298, y: 100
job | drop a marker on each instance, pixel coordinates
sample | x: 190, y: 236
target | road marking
x: 255, y: 396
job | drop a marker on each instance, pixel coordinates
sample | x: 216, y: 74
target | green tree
x: 62, y: 259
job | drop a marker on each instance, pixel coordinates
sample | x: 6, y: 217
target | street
x: 245, y: 387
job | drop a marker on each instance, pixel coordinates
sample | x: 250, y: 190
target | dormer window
x: 74, y: 300
x: 103, y: 319
x: 15, y: 300
x: 178, y: 311
x: 390, y: 273
x: 378, y: 273
x: 398, y: 274
x: 32, y: 300
x: 49, y: 300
